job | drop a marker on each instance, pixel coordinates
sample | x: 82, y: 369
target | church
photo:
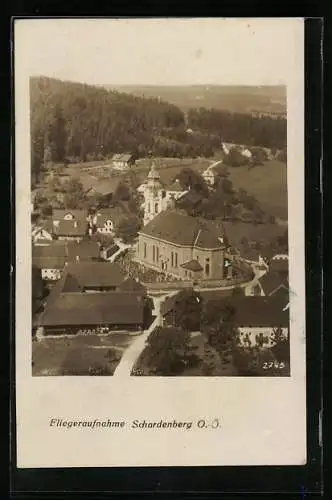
x: 157, y: 196
x: 185, y: 247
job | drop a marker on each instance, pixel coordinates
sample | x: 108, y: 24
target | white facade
x: 249, y: 336
x: 107, y: 228
x: 51, y: 274
x: 156, y: 197
x: 40, y: 235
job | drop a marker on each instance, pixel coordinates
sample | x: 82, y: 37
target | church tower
x: 155, y: 200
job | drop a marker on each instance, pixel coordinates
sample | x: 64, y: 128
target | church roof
x: 184, y: 230
x: 192, y: 265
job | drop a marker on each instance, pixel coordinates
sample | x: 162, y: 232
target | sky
x: 244, y: 51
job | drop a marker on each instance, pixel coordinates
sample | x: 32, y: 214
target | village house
x: 211, y: 174
x: 96, y: 276
x: 93, y: 299
x: 184, y: 246
x: 123, y: 161
x: 258, y: 319
x: 71, y: 230
x: 59, y: 215
x: 105, y: 220
x: 104, y: 189
x: 51, y: 258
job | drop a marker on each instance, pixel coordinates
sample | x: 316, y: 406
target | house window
x: 176, y: 260
x: 172, y: 259
x: 207, y: 268
x: 156, y: 208
x: 157, y: 254
x: 144, y: 247
x: 153, y: 253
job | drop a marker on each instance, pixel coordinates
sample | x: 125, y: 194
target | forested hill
x: 79, y: 122
x: 75, y: 119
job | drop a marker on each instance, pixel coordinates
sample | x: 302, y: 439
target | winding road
x: 133, y: 352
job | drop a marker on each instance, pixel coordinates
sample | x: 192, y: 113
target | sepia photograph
x: 160, y: 226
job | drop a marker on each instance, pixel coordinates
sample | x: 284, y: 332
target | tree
x: 167, y: 350
x: 122, y: 192
x: 190, y: 179
x: 227, y: 186
x: 235, y: 158
x: 187, y: 310
x: 74, y: 194
x: 128, y: 228
x: 281, y: 348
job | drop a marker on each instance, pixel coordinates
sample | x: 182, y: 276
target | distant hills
x: 238, y: 99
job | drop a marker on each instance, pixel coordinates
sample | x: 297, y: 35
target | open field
x: 241, y: 99
x: 75, y: 355
x: 267, y: 183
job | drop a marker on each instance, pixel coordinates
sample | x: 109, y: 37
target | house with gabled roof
x: 90, y: 299
x: 123, y: 161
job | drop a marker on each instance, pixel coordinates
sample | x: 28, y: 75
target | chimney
x: 77, y: 258
x: 75, y: 223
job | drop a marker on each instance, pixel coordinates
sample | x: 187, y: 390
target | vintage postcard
x: 160, y: 277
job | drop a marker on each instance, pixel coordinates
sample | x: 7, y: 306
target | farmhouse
x: 59, y: 215
x: 93, y: 313
x: 90, y: 299
x: 123, y: 161
x: 104, y: 189
x: 71, y: 230
x: 96, y: 276
x: 51, y: 267
x: 259, y: 318
x: 184, y: 246
x: 105, y: 220
x: 211, y: 173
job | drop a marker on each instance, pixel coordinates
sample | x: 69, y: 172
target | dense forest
x: 78, y: 122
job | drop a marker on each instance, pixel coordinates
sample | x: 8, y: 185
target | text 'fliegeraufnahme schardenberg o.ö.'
x: 200, y: 423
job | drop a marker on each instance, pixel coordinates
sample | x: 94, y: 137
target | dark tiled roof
x: 95, y: 309
x: 71, y: 228
x: 192, y: 265
x: 131, y: 285
x: 67, y: 249
x: 85, y: 250
x: 260, y: 312
x: 96, y: 273
x: 191, y: 198
x: 52, y: 249
x: 122, y: 157
x: 115, y: 214
x: 49, y: 262
x: 105, y: 187
x: 184, y: 230
x: 270, y: 281
x: 79, y: 215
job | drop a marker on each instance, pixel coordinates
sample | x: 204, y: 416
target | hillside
x: 238, y: 99
x: 74, y: 122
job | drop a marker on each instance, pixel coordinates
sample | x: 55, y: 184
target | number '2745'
x: 273, y: 364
